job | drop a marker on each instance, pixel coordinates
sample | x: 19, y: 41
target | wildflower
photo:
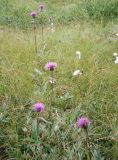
x: 52, y: 80
x: 116, y: 61
x: 117, y: 34
x: 83, y: 122
x: 39, y: 107
x: 52, y: 27
x: 115, y: 54
x: 77, y: 73
x: 50, y: 66
x: 33, y: 14
x: 78, y: 55
x: 41, y: 7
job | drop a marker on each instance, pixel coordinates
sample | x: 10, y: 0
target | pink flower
x: 33, y: 14
x: 50, y: 66
x: 83, y: 122
x: 41, y: 7
x: 39, y: 107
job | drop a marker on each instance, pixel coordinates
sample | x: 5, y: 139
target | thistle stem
x: 42, y: 28
x: 51, y: 99
x: 35, y: 38
x: 88, y: 144
x: 52, y: 93
x: 42, y: 32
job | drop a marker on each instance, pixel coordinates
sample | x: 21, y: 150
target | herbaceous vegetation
x: 59, y: 80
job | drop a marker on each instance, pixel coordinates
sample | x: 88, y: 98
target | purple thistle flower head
x: 41, y: 7
x: 39, y: 107
x: 83, y: 122
x: 50, y: 66
x: 33, y: 14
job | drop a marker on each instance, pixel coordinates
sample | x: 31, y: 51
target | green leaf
x: 34, y: 133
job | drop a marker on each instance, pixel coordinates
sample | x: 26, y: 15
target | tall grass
x: 93, y: 94
x: 16, y: 13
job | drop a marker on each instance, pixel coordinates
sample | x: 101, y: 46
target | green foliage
x: 17, y: 13
x: 25, y: 135
x: 100, y: 9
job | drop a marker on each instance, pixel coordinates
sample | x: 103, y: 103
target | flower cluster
x: 50, y: 66
x: 78, y: 55
x: 41, y: 8
x: 33, y: 14
x: 39, y: 107
x: 83, y: 122
x: 115, y: 55
x: 77, y: 72
x: 116, y: 60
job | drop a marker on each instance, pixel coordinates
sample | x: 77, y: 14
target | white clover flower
x: 116, y: 61
x: 115, y: 54
x: 77, y: 73
x: 78, y: 55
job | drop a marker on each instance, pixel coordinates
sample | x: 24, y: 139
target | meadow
x: 84, y: 39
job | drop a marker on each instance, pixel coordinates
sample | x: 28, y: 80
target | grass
x: 24, y: 134
x: 16, y: 13
x: 94, y: 93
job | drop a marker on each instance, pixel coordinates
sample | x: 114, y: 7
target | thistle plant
x: 83, y: 122
x: 38, y: 107
x: 34, y: 14
x: 51, y: 67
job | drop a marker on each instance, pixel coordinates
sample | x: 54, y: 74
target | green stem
x: 42, y: 32
x: 51, y: 99
x: 42, y: 28
x: 88, y: 144
x: 35, y: 38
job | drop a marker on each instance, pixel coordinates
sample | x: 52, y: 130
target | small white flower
x: 115, y: 54
x: 52, y: 27
x: 116, y: 61
x: 52, y: 81
x: 78, y: 54
x: 37, y: 71
x: 77, y: 73
x: 117, y: 34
